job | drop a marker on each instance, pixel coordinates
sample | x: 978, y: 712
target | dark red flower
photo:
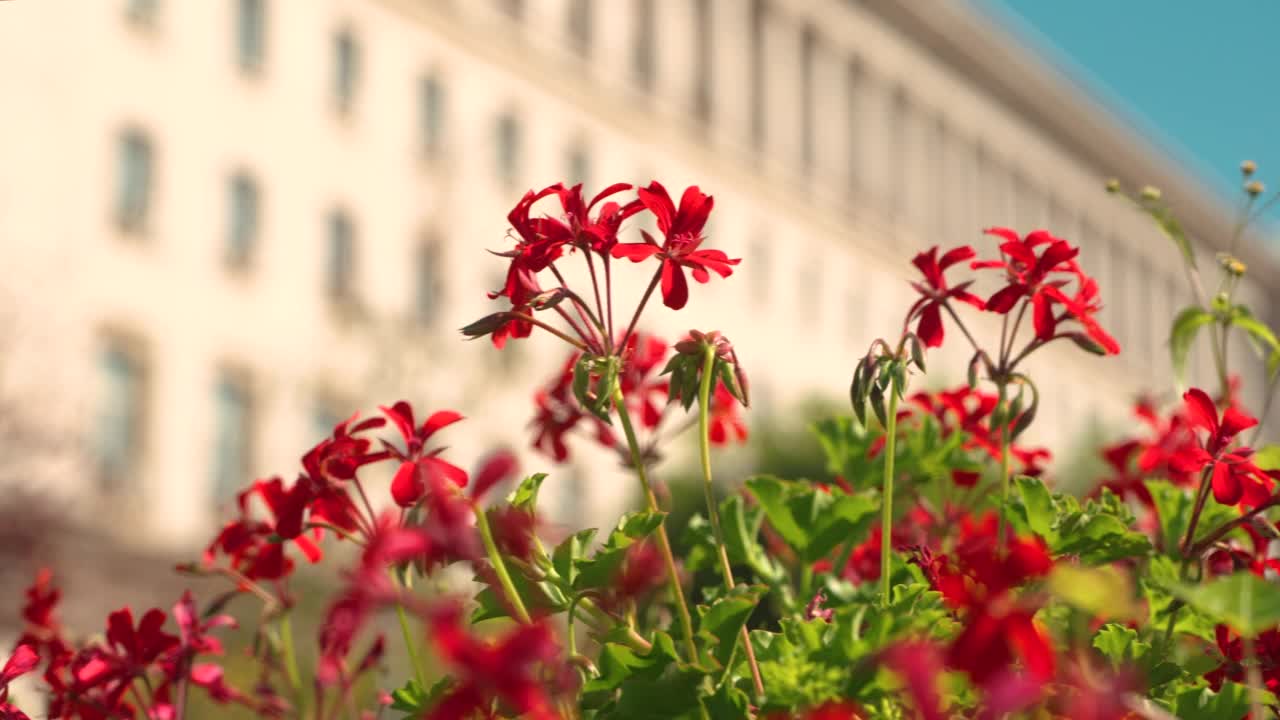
x: 1231, y: 649
x: 681, y: 248
x: 253, y: 546
x: 417, y: 464
x: 339, y: 456
x: 505, y: 671
x: 936, y: 292
x: 980, y: 582
x: 1234, y: 476
x: 600, y: 233
x: 1082, y: 307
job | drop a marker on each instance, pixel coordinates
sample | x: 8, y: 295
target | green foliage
x: 1243, y: 601
x: 811, y: 521
x: 1098, y: 532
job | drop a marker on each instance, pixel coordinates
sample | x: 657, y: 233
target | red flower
x: 998, y: 630
x: 1266, y: 648
x: 339, y: 456
x: 935, y: 292
x: 255, y: 547
x: 23, y: 660
x: 682, y: 230
x: 598, y: 234
x: 1082, y: 307
x: 725, y: 424
x: 484, y: 672
x: 1234, y: 476
x: 417, y: 464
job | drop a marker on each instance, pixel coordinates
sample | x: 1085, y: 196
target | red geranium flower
x: 503, y: 671
x: 416, y: 462
x: 935, y: 292
x: 598, y: 234
x: 23, y: 660
x: 1235, y: 478
x: 682, y: 229
x: 980, y: 582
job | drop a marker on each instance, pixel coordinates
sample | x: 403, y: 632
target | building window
x: 233, y: 409
x: 346, y: 68
x: 427, y: 292
x: 808, y: 53
x: 508, y: 147
x: 513, y: 8
x: 341, y: 257
x: 243, y: 220
x: 579, y: 21
x: 432, y: 100
x: 757, y: 69
x: 899, y: 114
x: 118, y: 439
x: 855, y: 86
x: 142, y: 12
x: 579, y: 167
x: 135, y: 175
x: 643, y: 57
x: 251, y: 38
x: 702, y: 59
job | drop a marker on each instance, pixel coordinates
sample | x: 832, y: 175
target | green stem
x: 412, y: 647
x: 704, y: 449
x: 664, y: 543
x: 886, y: 497
x: 1002, y: 406
x: 291, y: 660
x: 499, y: 567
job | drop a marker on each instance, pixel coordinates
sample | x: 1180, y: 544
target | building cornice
x: 970, y: 43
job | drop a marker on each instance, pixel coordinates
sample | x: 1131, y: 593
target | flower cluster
x: 930, y: 571
x: 1040, y: 272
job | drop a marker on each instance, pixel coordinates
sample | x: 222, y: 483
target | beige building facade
x: 230, y: 223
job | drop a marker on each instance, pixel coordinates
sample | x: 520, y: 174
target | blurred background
x: 229, y: 224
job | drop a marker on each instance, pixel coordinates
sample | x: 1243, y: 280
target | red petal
x: 930, y: 327
x: 1201, y: 411
x: 497, y: 468
x: 655, y: 198
x: 675, y: 288
x: 955, y: 255
x: 407, y: 486
x: 1226, y: 486
x: 1042, y: 316
x: 1004, y: 300
x: 440, y: 469
x: 1234, y: 422
x: 1005, y: 233
x: 438, y: 420
x: 635, y: 252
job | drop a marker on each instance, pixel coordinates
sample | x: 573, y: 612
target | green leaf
x: 723, y: 620
x: 413, y: 699
x: 565, y: 558
x: 812, y: 521
x: 1120, y: 644
x: 1183, y: 334
x: 525, y: 496
x: 1259, y: 332
x: 1232, y: 701
x: 1244, y: 601
x: 1039, y: 505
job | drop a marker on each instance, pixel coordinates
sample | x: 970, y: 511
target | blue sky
x: 1202, y: 78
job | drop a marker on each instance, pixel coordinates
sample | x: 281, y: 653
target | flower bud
x: 485, y: 325
x: 1150, y: 193
x: 1254, y: 188
x: 1113, y: 185
x: 1248, y: 167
